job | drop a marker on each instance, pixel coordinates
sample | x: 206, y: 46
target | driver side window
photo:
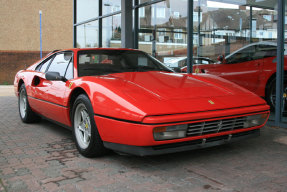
x: 242, y: 56
x: 60, y: 63
x: 43, y: 66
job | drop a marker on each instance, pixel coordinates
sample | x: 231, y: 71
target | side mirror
x: 54, y: 76
x: 221, y: 58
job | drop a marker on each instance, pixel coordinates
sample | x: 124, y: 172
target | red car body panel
x: 252, y: 75
x: 129, y: 105
x: 142, y: 134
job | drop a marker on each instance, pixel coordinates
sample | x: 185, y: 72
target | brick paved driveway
x: 42, y: 157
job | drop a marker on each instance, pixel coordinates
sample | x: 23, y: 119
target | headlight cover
x: 170, y: 132
x: 255, y: 120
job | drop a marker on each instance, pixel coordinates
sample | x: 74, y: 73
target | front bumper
x: 141, y: 133
x: 181, y: 146
x: 137, y: 137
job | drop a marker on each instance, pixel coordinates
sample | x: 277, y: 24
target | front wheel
x: 85, y: 132
x: 25, y: 111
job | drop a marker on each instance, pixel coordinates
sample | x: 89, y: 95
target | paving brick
x: 43, y: 157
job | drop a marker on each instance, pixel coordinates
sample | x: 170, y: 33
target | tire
x: 271, y: 94
x: 25, y: 111
x: 85, y: 132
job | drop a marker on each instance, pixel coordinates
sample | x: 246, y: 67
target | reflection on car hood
x: 169, y: 86
x: 168, y: 93
x: 139, y: 94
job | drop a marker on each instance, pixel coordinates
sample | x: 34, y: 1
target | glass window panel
x: 111, y: 6
x: 87, y: 35
x: 112, y: 31
x: 99, y: 62
x: 163, y: 31
x: 87, y: 9
x: 284, y: 91
x: 70, y: 71
x: 60, y: 63
x: 142, y: 12
x: 45, y: 64
x: 242, y: 39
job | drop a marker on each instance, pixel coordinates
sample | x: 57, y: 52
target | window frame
x: 178, y: 34
x: 60, y: 52
x: 71, y: 62
x: 161, y: 31
x: 43, y: 62
x: 160, y: 12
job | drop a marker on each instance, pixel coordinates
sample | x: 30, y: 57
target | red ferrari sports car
x: 252, y: 67
x: 127, y: 101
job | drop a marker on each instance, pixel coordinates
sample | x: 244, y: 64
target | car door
x: 243, y: 68
x: 39, y: 85
x: 56, y: 108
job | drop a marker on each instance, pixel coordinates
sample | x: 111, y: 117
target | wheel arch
x: 273, y: 76
x: 73, y: 96
x: 20, y: 83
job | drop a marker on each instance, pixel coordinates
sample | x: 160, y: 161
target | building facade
x: 194, y: 30
x: 20, y: 32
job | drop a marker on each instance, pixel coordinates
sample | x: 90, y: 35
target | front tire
x: 271, y: 94
x: 85, y: 132
x: 25, y: 111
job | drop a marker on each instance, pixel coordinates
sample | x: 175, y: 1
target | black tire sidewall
x: 96, y: 145
x: 22, y: 88
x: 269, y: 92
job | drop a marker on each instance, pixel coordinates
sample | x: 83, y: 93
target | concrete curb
x: 7, y: 90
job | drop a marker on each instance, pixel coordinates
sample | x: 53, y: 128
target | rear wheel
x: 86, y: 135
x: 271, y: 94
x: 25, y: 111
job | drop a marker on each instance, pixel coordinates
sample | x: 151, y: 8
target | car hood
x: 162, y: 93
x: 169, y: 86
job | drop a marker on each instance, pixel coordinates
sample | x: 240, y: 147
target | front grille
x: 208, y: 127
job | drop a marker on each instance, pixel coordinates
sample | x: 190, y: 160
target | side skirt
x: 55, y: 122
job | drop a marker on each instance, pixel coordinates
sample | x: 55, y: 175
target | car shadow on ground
x: 179, y: 157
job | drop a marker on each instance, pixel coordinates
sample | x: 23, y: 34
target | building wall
x: 19, y: 35
x: 20, y: 24
x: 13, y: 61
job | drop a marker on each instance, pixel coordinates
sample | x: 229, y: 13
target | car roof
x: 272, y: 43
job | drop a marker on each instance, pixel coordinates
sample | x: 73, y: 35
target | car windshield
x: 101, y: 62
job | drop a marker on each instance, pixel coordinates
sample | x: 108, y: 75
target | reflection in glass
x: 111, y: 6
x: 87, y: 9
x: 102, y: 62
x: 163, y: 31
x: 87, y: 35
x: 112, y: 31
x: 243, y: 41
x: 284, y: 91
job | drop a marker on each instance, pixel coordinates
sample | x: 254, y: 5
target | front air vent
x: 209, y: 127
